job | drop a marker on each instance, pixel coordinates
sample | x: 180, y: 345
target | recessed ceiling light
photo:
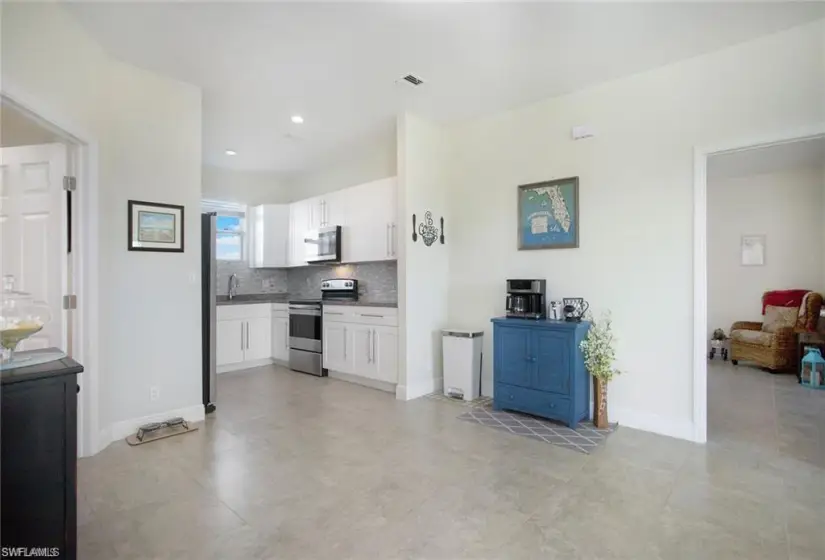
x: 231, y: 153
x: 297, y: 119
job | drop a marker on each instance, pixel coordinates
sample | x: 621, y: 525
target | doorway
x: 39, y: 249
x: 743, y: 193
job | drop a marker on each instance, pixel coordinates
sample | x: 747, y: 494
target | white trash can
x: 462, y: 363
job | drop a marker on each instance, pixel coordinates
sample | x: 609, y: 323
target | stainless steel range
x: 306, y: 327
x: 305, y: 330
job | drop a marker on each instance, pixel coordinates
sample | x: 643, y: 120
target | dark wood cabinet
x: 38, y: 457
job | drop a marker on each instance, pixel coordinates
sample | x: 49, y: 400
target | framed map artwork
x: 548, y: 215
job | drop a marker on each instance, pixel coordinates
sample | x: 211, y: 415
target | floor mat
x: 584, y: 439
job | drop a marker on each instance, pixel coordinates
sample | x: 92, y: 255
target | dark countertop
x: 546, y: 323
x: 242, y: 299
x: 364, y: 303
x: 56, y: 368
x: 246, y: 299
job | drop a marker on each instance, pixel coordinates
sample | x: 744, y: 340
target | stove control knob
x: 325, y: 285
x: 348, y: 284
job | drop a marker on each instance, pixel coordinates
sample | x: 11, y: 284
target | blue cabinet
x: 538, y: 368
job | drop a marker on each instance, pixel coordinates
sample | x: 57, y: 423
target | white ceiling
x: 772, y: 159
x: 336, y: 64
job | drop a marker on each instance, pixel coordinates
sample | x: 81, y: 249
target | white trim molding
x: 698, y: 432
x: 425, y: 387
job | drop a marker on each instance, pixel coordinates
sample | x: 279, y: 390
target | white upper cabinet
x: 269, y: 239
x: 334, y: 209
x: 299, y: 225
x: 366, y: 214
x: 371, y: 232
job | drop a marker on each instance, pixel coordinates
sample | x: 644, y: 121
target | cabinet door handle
x: 374, y: 337
x: 332, y: 313
x: 247, y: 335
x: 241, y: 336
x: 369, y: 347
x: 286, y: 336
x: 345, y: 343
x: 371, y: 315
x: 393, y: 242
x: 387, y: 239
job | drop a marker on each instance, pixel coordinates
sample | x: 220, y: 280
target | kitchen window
x: 230, y: 242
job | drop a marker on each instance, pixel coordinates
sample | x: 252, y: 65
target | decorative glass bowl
x: 20, y: 317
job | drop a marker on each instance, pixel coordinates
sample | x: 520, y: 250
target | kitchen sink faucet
x: 233, y: 286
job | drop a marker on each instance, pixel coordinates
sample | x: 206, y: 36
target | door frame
x: 700, y: 245
x: 83, y: 160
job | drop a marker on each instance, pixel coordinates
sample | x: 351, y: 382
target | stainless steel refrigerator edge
x: 209, y: 279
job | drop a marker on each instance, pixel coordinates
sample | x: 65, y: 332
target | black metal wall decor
x: 428, y: 232
x: 442, y: 230
x: 415, y: 234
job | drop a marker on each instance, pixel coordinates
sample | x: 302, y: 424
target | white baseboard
x: 120, y: 430
x: 420, y: 389
x: 649, y: 422
x: 365, y: 381
x: 245, y: 365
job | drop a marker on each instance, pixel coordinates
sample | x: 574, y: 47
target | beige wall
x: 423, y: 272
x: 364, y: 161
x: 17, y: 129
x: 636, y: 196
x: 244, y: 187
x: 786, y: 207
x: 148, y: 134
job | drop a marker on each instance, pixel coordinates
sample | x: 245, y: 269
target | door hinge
x: 70, y: 302
x: 69, y: 183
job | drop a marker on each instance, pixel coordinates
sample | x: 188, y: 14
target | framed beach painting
x: 155, y: 227
x: 548, y: 215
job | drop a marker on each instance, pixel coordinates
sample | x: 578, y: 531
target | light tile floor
x: 296, y: 467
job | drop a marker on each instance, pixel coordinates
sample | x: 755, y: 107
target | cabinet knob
x: 511, y: 397
x: 552, y: 405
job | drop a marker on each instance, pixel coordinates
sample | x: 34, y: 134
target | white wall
x: 17, y: 129
x: 148, y: 133
x: 786, y: 207
x: 244, y: 187
x: 363, y: 161
x: 423, y: 272
x: 636, y: 180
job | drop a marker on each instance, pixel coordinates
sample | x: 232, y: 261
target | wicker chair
x: 775, y: 351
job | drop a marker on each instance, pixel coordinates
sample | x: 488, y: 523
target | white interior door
x: 33, y: 230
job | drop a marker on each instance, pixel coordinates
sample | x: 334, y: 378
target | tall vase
x: 599, y: 403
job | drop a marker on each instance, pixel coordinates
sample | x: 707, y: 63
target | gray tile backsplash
x: 377, y: 281
x: 251, y: 280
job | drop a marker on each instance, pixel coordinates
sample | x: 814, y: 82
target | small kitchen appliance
x: 575, y: 308
x: 525, y: 298
x: 323, y: 245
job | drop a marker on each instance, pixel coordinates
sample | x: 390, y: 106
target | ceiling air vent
x: 414, y: 80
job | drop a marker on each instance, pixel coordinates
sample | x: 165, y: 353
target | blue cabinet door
x: 513, y: 356
x: 552, y: 353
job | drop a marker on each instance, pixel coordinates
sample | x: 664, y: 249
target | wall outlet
x: 154, y: 392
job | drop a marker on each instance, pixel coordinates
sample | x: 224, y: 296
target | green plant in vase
x: 599, y: 356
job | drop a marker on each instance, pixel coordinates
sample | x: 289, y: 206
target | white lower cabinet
x: 258, y: 339
x: 243, y: 336
x: 229, y: 345
x: 280, y: 338
x: 385, y: 353
x: 357, y: 343
x: 338, y: 353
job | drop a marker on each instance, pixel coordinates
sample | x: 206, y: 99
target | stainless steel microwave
x: 323, y: 245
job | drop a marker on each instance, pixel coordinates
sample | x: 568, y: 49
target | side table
x: 807, y: 340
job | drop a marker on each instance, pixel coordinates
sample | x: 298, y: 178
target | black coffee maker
x: 525, y: 299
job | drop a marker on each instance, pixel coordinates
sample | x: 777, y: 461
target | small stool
x: 720, y: 346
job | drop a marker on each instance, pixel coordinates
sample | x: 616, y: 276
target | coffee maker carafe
x: 525, y: 299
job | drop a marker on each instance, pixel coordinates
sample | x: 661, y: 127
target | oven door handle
x: 305, y: 312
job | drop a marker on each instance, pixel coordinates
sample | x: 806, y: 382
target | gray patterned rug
x: 584, y: 439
